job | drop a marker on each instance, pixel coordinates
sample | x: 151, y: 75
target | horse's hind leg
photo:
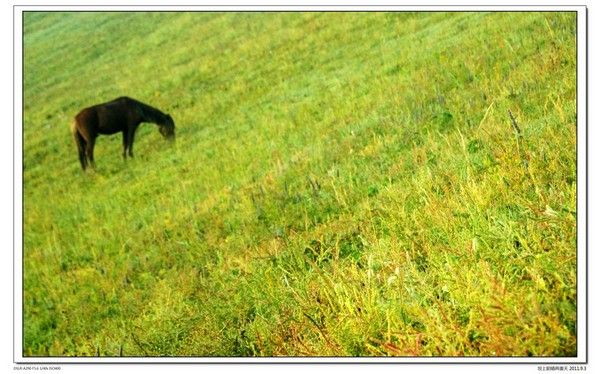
x: 82, y: 159
x: 89, y: 151
x: 80, y: 142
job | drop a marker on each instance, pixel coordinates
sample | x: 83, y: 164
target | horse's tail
x: 80, y: 142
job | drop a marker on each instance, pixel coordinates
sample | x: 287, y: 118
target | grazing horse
x: 120, y: 115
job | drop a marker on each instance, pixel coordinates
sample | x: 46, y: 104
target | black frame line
x: 298, y: 6
x: 587, y: 188
x: 369, y: 360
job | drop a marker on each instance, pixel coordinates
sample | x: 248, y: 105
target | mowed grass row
x: 342, y: 184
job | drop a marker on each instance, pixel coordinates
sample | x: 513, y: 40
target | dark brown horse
x: 120, y: 115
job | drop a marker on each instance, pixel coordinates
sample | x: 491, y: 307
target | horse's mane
x: 149, y: 113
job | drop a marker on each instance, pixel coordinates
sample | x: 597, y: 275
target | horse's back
x: 109, y: 117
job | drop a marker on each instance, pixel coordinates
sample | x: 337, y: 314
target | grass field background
x: 342, y: 184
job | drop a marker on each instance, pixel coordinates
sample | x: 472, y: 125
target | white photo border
x: 582, y: 196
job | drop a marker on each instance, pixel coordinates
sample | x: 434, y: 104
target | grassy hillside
x: 342, y: 184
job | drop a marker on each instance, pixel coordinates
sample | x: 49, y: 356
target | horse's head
x: 167, y: 128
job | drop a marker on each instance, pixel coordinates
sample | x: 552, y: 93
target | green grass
x: 343, y: 184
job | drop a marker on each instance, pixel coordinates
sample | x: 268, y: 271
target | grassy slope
x: 342, y: 184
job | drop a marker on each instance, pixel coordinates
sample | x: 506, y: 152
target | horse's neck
x: 150, y: 114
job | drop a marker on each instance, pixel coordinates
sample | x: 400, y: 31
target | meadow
x: 342, y: 184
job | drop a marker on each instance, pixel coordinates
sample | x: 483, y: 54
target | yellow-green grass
x: 343, y: 184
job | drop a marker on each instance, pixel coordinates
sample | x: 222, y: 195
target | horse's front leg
x: 125, y: 144
x: 130, y: 136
